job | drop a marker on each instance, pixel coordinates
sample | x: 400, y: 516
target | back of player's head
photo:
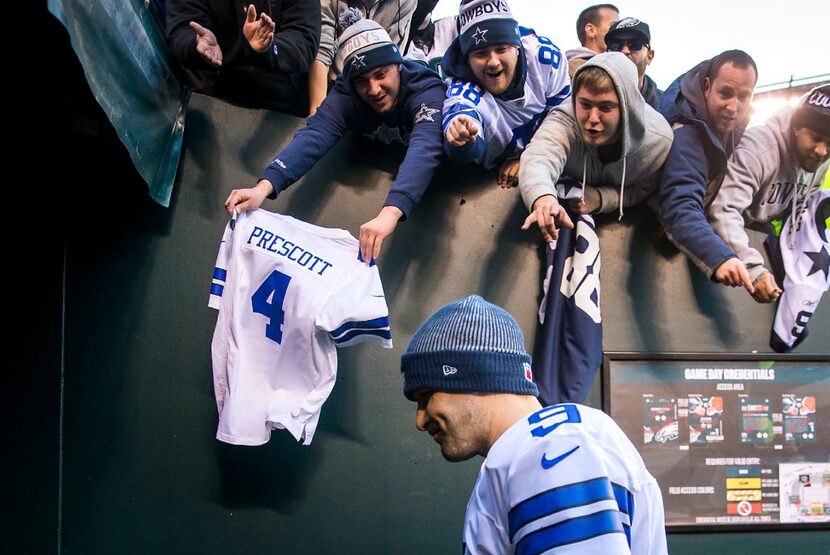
x: 591, y: 15
x: 468, y: 346
x: 737, y: 58
x: 594, y: 79
x: 485, y: 23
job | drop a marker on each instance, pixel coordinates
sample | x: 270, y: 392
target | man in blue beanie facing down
x: 380, y: 96
x: 552, y: 477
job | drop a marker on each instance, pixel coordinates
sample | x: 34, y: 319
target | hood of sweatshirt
x: 632, y: 105
x: 580, y: 53
x: 684, y: 103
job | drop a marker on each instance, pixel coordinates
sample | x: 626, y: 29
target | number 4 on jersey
x: 268, y: 300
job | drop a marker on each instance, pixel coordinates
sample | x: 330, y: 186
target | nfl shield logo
x: 528, y: 372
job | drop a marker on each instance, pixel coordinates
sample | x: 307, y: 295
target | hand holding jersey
x: 242, y: 200
x: 559, y: 479
x: 372, y: 233
x: 766, y: 289
x: 546, y: 213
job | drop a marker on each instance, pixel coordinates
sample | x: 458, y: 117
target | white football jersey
x: 806, y: 269
x: 288, y: 293
x: 508, y: 125
x: 565, y: 479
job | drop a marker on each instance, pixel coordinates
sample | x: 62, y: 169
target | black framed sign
x: 735, y: 441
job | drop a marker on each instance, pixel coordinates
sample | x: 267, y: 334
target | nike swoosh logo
x: 550, y: 463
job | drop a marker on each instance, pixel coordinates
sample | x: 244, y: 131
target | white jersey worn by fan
x: 565, y: 480
x: 508, y: 125
x: 288, y: 293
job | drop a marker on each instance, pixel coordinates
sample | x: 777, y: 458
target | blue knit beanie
x: 363, y: 46
x: 486, y: 23
x: 468, y: 346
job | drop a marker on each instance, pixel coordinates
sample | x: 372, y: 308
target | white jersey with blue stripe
x: 565, y: 480
x: 288, y: 293
x: 508, y: 125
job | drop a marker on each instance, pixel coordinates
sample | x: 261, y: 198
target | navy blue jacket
x: 414, y: 121
x: 694, y: 169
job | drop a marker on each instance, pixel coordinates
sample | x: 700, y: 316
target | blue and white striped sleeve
x: 571, y: 514
x: 220, y: 270
x: 563, y: 500
x: 356, y: 311
x: 558, y: 82
x: 464, y: 98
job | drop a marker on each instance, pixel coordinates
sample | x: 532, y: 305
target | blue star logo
x: 479, y: 35
x: 357, y: 62
x: 426, y: 113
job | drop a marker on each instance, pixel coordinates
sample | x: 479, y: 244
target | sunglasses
x: 633, y: 44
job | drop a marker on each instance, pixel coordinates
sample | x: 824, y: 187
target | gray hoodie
x: 557, y: 148
x: 758, y: 187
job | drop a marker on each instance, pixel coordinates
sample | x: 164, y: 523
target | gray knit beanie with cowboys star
x: 814, y: 111
x: 363, y: 46
x: 486, y: 23
x: 468, y: 346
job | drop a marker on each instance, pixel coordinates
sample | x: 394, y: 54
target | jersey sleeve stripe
x: 457, y: 110
x: 570, y: 531
x: 220, y: 274
x: 558, y: 499
x: 382, y: 322
x: 559, y: 97
x: 216, y: 289
x: 625, y: 500
x: 341, y: 341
